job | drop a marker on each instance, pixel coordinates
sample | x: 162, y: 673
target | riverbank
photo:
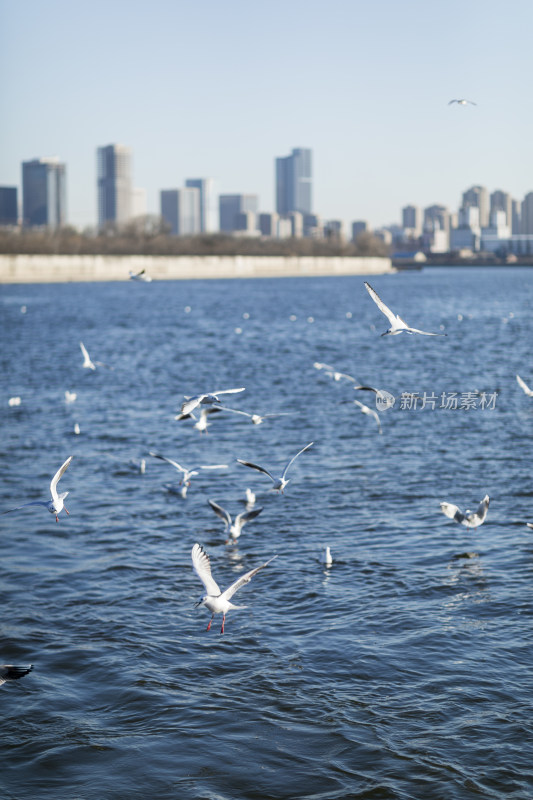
x: 71, y: 268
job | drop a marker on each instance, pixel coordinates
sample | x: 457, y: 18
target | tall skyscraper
x: 181, y: 209
x: 412, y: 219
x: 8, y: 205
x: 231, y: 205
x: 478, y: 197
x: 44, y: 193
x: 114, y: 184
x: 502, y: 201
x: 294, y: 182
x: 208, y: 203
x: 526, y: 215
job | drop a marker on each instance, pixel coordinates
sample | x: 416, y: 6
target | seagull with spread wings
x: 56, y: 504
x: 241, y: 519
x: 472, y: 519
x: 281, y: 482
x: 216, y: 601
x: 187, y: 472
x: 11, y: 672
x: 397, y: 325
x: 209, y: 398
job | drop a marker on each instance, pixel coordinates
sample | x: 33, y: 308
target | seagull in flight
x: 523, y: 385
x: 240, y: 520
x: 210, y: 398
x: 56, y: 504
x: 331, y: 372
x: 472, y: 519
x: 256, y: 419
x: 188, y: 473
x: 200, y: 424
x: 10, y: 672
x: 281, y: 482
x: 462, y: 102
x: 397, y: 325
x: 370, y: 411
x: 216, y: 601
x: 140, y: 276
x: 87, y: 362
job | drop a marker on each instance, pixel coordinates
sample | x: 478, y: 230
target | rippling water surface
x: 403, y: 671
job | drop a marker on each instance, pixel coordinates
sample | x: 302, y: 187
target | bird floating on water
x: 397, y: 325
x: 11, y: 672
x: 281, y: 482
x: 209, y: 398
x: 325, y: 557
x: 472, y: 519
x: 216, y: 601
x: 56, y: 504
x: 236, y: 527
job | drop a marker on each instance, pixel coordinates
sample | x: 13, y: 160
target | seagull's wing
x: 482, y: 508
x: 25, y: 505
x: 212, y: 466
x: 233, y: 411
x: 451, y: 511
x: 307, y: 446
x: 246, y: 578
x: 453, y: 101
x: 393, y: 318
x: 257, y: 467
x: 57, y: 476
x: 10, y: 672
x: 169, y: 461
x: 202, y: 567
x: 247, y: 515
x: 220, y: 512
x: 424, y: 333
x: 367, y: 410
x: 280, y: 414
x: 191, y: 403
x: 529, y: 524
x: 320, y: 365
x: 523, y: 385
x: 230, y: 391
x: 86, y: 358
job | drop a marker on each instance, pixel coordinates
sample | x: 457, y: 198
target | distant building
x: 478, y: 197
x: 139, y: 206
x: 361, y: 226
x: 208, y: 202
x: 412, y: 220
x: 313, y: 226
x: 9, y: 213
x: 526, y: 214
x: 294, y: 182
x: 467, y: 236
x: 496, y: 235
x: 230, y: 205
x: 334, y: 230
x: 44, y: 193
x: 501, y: 201
x: 180, y: 208
x: 516, y: 219
x: 267, y: 224
x: 114, y: 184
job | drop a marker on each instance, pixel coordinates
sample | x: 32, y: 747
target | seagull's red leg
x: 66, y: 510
x: 210, y: 621
x: 223, y: 620
x: 57, y: 518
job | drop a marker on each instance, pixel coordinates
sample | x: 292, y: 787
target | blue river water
x: 402, y: 671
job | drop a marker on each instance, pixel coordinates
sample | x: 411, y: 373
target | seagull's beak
x: 199, y: 603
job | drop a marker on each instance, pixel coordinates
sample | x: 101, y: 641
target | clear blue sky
x: 220, y: 88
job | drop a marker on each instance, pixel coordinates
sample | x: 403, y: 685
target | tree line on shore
x: 149, y: 236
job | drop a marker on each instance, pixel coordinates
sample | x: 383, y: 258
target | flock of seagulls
x: 208, y: 403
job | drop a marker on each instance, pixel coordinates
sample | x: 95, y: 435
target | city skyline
x: 365, y: 87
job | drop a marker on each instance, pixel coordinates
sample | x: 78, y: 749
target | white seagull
x: 10, y: 672
x: 56, y: 504
x: 256, y: 419
x: 281, y: 482
x: 140, y: 276
x: 250, y: 499
x: 397, y: 325
x: 472, y: 519
x: 87, y: 363
x: 370, y: 411
x: 188, y: 473
x: 240, y: 520
x: 216, y: 601
x: 523, y: 385
x: 325, y: 557
x: 462, y: 102
x: 331, y: 372
x: 210, y: 398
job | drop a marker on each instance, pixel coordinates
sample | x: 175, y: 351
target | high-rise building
x: 8, y: 205
x: 44, y: 193
x: 412, y: 220
x: 478, y: 197
x: 294, y: 182
x: 230, y: 205
x: 115, y: 190
x: 526, y: 215
x: 501, y: 201
x: 361, y: 226
x: 267, y: 224
x: 139, y: 207
x: 181, y: 209
x: 208, y: 202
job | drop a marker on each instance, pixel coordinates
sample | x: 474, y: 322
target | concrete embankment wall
x: 65, y: 269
